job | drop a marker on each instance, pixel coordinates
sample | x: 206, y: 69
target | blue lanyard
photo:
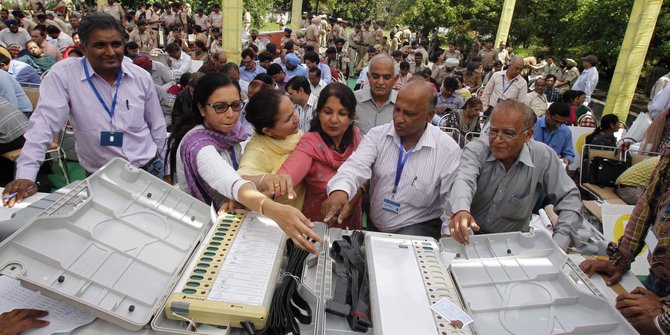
x: 231, y: 150
x: 97, y: 94
x: 402, y: 159
x: 503, y: 83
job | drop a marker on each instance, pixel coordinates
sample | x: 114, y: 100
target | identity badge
x: 391, y: 206
x: 111, y: 139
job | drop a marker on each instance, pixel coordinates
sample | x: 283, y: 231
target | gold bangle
x: 260, y: 205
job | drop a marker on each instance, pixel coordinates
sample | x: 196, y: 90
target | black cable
x: 288, y: 307
x: 249, y: 327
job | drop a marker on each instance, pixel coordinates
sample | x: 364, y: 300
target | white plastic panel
x: 120, y: 250
x: 522, y: 283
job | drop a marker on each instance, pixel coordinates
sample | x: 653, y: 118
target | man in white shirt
x: 14, y: 34
x: 659, y: 103
x: 659, y: 85
x: 504, y: 85
x: 58, y: 38
x: 588, y: 80
x: 315, y: 82
x: 375, y: 102
x: 536, y: 100
x: 407, y: 190
x: 179, y: 62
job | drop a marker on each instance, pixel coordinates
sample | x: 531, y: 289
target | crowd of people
x: 282, y: 134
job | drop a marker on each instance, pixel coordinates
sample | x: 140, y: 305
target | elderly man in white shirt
x: 407, y: 190
x: 588, y: 80
x: 179, y: 62
x: 536, y: 100
x: 505, y: 85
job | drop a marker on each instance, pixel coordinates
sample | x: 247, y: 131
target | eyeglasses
x: 507, y: 135
x: 222, y: 107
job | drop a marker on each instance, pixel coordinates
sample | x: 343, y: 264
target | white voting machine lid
x: 118, y: 253
x: 523, y: 283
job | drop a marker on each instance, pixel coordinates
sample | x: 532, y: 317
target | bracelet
x: 260, y: 205
x: 261, y: 182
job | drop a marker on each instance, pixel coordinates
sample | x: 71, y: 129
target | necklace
x: 469, y: 126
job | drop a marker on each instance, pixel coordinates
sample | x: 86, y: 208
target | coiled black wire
x: 288, y: 307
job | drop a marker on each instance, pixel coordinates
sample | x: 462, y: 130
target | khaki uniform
x: 472, y: 80
x: 488, y: 56
x: 146, y: 40
x: 216, y: 20
x: 202, y: 21
x: 114, y: 10
x: 312, y: 35
x: 355, y: 40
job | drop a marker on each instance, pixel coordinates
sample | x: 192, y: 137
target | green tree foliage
x: 424, y: 16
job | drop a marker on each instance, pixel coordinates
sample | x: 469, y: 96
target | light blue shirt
x: 587, y: 82
x: 298, y: 71
x: 24, y: 73
x: 325, y: 73
x: 12, y: 92
x: 250, y: 75
x: 560, y: 139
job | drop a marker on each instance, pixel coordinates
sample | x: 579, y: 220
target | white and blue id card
x: 391, y: 206
x: 111, y: 139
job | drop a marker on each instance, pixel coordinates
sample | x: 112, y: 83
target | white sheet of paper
x: 451, y: 311
x: 62, y: 318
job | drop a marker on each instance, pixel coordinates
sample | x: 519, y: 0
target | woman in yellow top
x: 275, y: 137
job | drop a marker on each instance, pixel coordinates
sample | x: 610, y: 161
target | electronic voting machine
x: 135, y: 252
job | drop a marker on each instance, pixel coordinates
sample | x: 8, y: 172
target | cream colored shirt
x: 500, y: 88
x: 537, y: 102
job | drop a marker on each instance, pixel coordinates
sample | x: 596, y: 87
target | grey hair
x: 516, y: 106
x: 385, y: 57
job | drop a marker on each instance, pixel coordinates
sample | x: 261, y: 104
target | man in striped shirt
x: 410, y: 165
x: 649, y: 225
x: 112, y: 105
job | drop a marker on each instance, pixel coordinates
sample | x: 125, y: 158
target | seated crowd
x: 282, y: 134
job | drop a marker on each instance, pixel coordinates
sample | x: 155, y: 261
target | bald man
x: 501, y: 178
x: 410, y: 165
x: 376, y: 100
x: 508, y: 84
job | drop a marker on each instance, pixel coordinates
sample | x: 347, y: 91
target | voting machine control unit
x: 137, y: 252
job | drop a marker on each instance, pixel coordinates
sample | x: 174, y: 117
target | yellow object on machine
x: 231, y: 278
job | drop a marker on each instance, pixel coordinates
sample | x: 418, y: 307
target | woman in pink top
x: 332, y: 138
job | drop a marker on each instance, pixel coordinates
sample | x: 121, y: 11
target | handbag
x: 605, y: 171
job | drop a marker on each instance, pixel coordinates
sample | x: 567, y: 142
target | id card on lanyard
x: 505, y: 88
x: 107, y: 138
x: 390, y: 205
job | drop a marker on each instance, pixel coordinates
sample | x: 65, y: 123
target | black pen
x: 414, y: 180
x: 127, y: 104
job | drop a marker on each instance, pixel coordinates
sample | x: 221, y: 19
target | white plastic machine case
x: 78, y: 255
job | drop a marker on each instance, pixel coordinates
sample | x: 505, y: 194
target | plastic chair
x: 587, y: 120
x: 454, y: 133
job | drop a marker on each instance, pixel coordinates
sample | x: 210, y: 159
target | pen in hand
x: 15, y: 194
